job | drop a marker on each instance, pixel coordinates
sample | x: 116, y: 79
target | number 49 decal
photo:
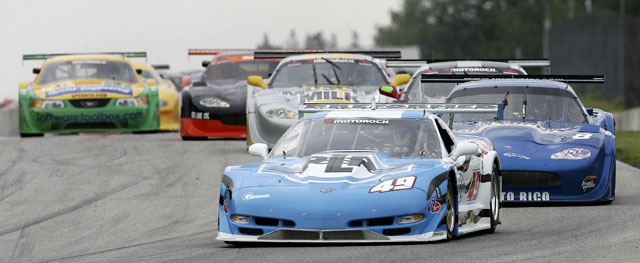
x: 402, y: 183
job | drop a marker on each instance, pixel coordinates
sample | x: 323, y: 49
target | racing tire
x: 27, y: 135
x: 494, y: 201
x: 451, y: 217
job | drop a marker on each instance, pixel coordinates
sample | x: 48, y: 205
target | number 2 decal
x: 402, y: 183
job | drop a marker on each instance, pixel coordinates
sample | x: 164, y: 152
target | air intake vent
x: 529, y: 179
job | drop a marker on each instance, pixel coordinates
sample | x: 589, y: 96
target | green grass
x: 596, y: 100
x: 628, y: 147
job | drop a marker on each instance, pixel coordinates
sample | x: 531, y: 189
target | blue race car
x: 552, y: 148
x: 385, y: 175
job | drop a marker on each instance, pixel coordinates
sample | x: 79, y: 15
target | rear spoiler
x: 213, y: 51
x: 416, y: 63
x: 525, y: 62
x: 435, y: 108
x: 460, y: 78
x: 140, y: 54
x: 161, y: 66
x: 279, y: 54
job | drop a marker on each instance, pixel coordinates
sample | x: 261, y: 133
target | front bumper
x: 330, y: 236
x: 210, y: 128
x: 73, y: 120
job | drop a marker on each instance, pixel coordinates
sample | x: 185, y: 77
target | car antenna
x: 524, y: 104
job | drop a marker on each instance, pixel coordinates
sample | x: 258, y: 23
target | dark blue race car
x: 552, y: 148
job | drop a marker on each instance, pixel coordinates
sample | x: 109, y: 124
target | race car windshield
x: 348, y: 72
x: 149, y: 75
x: 397, y: 137
x: 557, y: 108
x: 87, y: 69
x: 238, y: 71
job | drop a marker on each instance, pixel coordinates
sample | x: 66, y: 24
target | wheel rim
x: 450, y: 214
x: 495, y: 206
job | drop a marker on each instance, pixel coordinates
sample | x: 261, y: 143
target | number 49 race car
x: 344, y: 175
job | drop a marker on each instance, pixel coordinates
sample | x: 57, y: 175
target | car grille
x: 529, y: 179
x: 89, y: 103
x: 292, y: 234
x: 236, y: 120
x: 90, y: 126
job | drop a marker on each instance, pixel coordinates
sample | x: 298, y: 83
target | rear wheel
x: 451, y: 211
x: 494, y: 201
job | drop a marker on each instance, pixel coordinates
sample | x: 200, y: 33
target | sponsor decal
x: 434, y: 206
x: 517, y: 155
x: 200, y: 115
x: 525, y: 196
x: 327, y: 95
x: 251, y: 196
x: 247, y: 57
x: 402, y: 183
x: 587, y: 184
x: 93, y: 89
x: 335, y: 60
x: 225, y: 207
x: 483, y: 70
x: 357, y: 121
x: 326, y: 190
x: 83, y: 117
x: 468, y: 217
x: 341, y: 163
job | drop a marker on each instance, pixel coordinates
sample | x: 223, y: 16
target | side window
x: 446, y: 137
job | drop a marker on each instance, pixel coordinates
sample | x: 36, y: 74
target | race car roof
x: 386, y: 114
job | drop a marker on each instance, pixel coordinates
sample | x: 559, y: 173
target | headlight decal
x: 572, y: 154
x: 214, y: 103
x: 281, y: 113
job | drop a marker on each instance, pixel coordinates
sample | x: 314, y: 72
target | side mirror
x: 205, y: 63
x: 36, y: 70
x: 390, y: 91
x: 464, y: 148
x: 256, y: 81
x: 139, y: 71
x: 186, y: 81
x: 401, y: 79
x: 259, y: 149
x: 23, y: 85
x: 151, y: 82
x: 590, y: 111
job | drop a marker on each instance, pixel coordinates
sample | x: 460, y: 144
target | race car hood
x: 233, y: 93
x: 88, y: 89
x: 523, y: 143
x: 350, y: 169
x: 302, y: 188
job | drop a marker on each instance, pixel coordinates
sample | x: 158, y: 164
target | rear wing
x: 416, y: 63
x: 140, y: 54
x: 214, y: 51
x: 460, y: 78
x: 435, y: 108
x: 280, y: 54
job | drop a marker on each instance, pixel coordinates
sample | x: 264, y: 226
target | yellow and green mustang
x: 87, y: 93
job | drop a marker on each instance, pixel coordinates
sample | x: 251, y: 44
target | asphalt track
x: 153, y: 198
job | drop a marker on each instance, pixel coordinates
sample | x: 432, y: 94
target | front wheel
x: 452, y: 219
x: 494, y: 202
